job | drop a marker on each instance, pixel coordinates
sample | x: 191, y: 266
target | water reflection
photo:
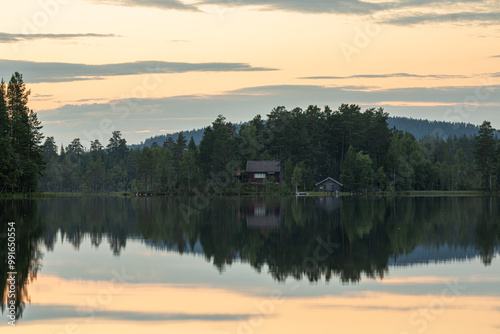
x: 264, y: 214
x: 29, y: 229
x: 313, y: 238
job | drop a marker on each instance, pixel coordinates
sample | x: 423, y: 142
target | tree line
x: 356, y: 147
x: 420, y: 128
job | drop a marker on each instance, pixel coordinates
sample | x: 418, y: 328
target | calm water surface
x: 247, y: 265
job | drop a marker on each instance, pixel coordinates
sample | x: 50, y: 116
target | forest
x: 356, y: 147
x: 419, y: 128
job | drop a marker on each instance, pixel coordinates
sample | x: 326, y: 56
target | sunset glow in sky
x: 149, y: 67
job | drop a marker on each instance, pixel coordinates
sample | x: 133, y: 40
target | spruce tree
x: 7, y: 157
x: 484, y: 153
x: 25, y: 135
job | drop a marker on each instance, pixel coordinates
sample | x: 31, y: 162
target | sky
x: 151, y: 67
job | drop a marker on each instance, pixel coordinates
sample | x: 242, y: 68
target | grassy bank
x: 439, y: 193
x: 62, y: 194
x: 414, y: 193
x: 255, y: 192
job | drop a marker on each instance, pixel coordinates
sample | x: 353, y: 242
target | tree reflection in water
x: 367, y: 233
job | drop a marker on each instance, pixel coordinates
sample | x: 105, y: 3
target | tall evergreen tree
x: 25, y: 134
x: 75, y: 151
x: 4, y: 115
x: 8, y: 168
x: 463, y: 170
x: 178, y: 151
x: 218, y: 147
x: 49, y: 149
x: 169, y: 144
x: 188, y: 170
x: 146, y: 168
x: 117, y: 149
x: 96, y: 150
x: 497, y: 166
x: 50, y: 180
x: 484, y: 153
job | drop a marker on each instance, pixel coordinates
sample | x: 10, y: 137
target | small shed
x: 329, y: 185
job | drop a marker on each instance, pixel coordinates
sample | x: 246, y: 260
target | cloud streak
x: 466, y: 10
x: 358, y: 7
x: 36, y: 72
x: 16, y: 38
x: 57, y: 312
x: 313, y: 6
x: 391, y: 75
x: 160, y: 4
x: 462, y: 17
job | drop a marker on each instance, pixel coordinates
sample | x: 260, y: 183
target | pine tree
x: 178, y: 152
x: 117, y: 149
x: 497, y: 166
x: 7, y: 158
x: 146, y: 168
x: 348, y: 178
x: 169, y: 144
x: 4, y: 115
x: 484, y: 153
x: 49, y: 149
x: 188, y: 170
x: 25, y: 134
x: 96, y: 150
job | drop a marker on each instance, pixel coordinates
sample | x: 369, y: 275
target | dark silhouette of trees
x: 485, y: 154
x: 21, y: 152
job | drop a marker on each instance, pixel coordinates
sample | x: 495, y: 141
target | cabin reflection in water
x: 328, y: 203
x: 264, y: 215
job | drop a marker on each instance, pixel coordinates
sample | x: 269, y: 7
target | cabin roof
x: 329, y: 178
x: 263, y: 166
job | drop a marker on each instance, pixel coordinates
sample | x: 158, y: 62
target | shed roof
x: 329, y: 178
x: 263, y: 166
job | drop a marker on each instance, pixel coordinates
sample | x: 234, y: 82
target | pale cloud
x: 160, y: 4
x: 16, y: 38
x: 351, y: 7
x: 314, y: 6
x: 393, y: 75
x: 480, y: 10
x: 36, y: 72
x: 459, y: 18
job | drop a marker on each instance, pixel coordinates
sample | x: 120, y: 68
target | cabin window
x: 260, y: 176
x: 260, y: 211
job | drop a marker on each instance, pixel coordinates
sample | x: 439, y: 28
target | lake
x: 254, y: 265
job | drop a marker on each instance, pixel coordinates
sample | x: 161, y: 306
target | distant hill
x: 197, y: 135
x: 418, y: 127
x: 423, y: 127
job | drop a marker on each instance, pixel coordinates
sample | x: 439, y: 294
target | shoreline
x: 125, y: 194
